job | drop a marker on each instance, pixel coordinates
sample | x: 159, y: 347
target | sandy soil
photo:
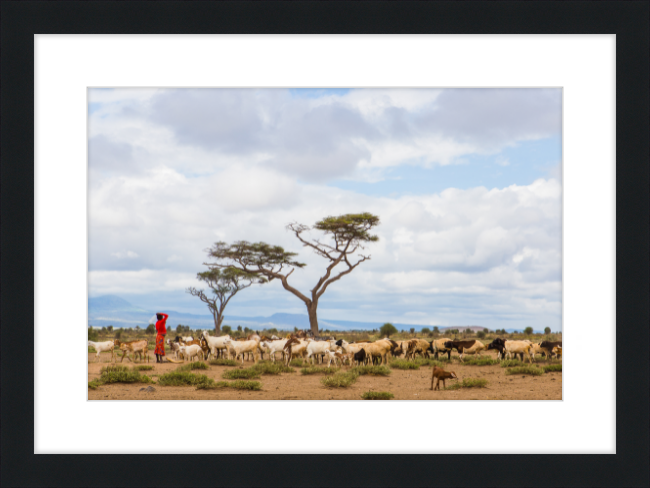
x: 405, y: 385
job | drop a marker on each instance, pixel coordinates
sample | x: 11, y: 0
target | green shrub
x: 245, y: 385
x: 267, y: 367
x: 113, y: 368
x: 403, y: 364
x: 387, y: 330
x: 377, y: 395
x: 473, y: 383
x: 237, y: 374
x: 532, y: 370
x: 318, y: 370
x: 120, y: 374
x: 508, y: 363
x: 183, y: 378
x: 431, y: 362
x: 193, y: 366
x: 480, y: 361
x: 238, y: 385
x: 223, y: 362
x: 215, y: 385
x: 372, y: 370
x: 124, y: 377
x: 340, y: 379
x: 467, y: 383
x: 552, y: 368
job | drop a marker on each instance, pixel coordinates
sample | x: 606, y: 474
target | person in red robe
x: 161, y: 330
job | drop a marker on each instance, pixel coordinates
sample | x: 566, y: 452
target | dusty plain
x: 403, y: 384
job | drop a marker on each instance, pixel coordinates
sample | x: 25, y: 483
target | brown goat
x: 440, y: 374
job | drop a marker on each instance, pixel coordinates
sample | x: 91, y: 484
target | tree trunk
x: 217, y: 325
x: 313, y: 319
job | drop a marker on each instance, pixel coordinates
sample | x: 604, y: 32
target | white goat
x: 337, y: 357
x: 215, y: 343
x: 297, y: 349
x: 174, y: 347
x: 242, y: 347
x: 319, y: 347
x: 189, y: 352
x: 102, y: 347
x: 274, y: 346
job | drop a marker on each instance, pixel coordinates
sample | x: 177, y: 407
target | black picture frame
x: 627, y: 19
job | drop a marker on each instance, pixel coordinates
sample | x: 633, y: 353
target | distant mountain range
x: 113, y: 310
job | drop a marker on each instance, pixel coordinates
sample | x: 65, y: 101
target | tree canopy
x: 224, y: 284
x: 348, y: 232
x: 387, y: 329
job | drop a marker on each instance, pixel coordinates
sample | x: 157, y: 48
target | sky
x: 466, y: 183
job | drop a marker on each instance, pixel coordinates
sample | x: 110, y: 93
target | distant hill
x: 112, y: 310
x: 112, y: 303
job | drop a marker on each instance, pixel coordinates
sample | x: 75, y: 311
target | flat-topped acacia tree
x: 224, y: 284
x: 347, y: 233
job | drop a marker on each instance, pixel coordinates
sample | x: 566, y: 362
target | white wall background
x: 583, y: 65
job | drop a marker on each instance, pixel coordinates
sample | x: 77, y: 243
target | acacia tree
x: 347, y: 233
x: 224, y: 284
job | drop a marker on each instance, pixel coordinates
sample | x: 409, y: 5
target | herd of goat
x: 322, y: 349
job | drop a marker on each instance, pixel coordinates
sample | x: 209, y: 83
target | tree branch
x: 340, y: 275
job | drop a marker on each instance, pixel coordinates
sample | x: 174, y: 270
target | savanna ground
x: 403, y: 384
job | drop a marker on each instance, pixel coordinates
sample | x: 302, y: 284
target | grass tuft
x: 258, y: 369
x: 480, y: 362
x: 340, y: 379
x: 467, y: 383
x: 223, y: 362
x: 94, y: 384
x: 238, y: 385
x: 193, y: 366
x: 473, y: 383
x: 509, y: 363
x: 318, y: 370
x: 239, y: 374
x: 142, y: 367
x: 297, y: 363
x: 431, y: 362
x: 121, y: 374
x: 215, y: 385
x: 377, y: 395
x: 183, y: 378
x: 549, y: 368
x: 371, y: 370
x: 532, y: 370
x: 403, y: 364
x: 267, y: 367
x: 113, y: 368
x: 245, y: 385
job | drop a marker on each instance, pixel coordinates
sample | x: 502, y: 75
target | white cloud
x: 161, y: 194
x: 205, y: 130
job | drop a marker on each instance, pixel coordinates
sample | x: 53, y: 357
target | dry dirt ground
x: 403, y: 384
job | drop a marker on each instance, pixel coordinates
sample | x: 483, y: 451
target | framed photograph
x: 420, y: 202
x: 508, y: 167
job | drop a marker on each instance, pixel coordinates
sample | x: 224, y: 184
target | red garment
x: 160, y: 344
x: 160, y: 325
